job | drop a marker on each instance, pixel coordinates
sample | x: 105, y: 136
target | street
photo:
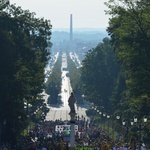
x: 61, y: 109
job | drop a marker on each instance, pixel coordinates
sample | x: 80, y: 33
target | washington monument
x: 71, y: 29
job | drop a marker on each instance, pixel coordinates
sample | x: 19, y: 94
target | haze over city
x: 86, y: 13
x: 72, y: 77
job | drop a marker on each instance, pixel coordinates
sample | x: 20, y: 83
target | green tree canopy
x: 99, y: 74
x: 23, y: 55
x: 129, y: 29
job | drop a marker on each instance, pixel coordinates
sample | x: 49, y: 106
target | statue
x: 71, y: 102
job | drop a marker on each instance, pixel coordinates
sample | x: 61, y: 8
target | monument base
x: 72, y: 134
x: 72, y: 121
x: 72, y: 117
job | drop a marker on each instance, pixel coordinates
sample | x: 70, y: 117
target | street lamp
x: 104, y: 114
x: 117, y: 117
x: 145, y: 119
x: 136, y: 120
x: 103, y: 119
x: 108, y: 116
x: 127, y: 125
x: 19, y: 117
x: 140, y: 126
x: 100, y: 112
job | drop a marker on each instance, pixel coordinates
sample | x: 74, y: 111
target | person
x: 71, y: 102
x: 44, y: 148
x: 4, y: 148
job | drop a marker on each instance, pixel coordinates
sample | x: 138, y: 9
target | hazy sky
x: 86, y: 13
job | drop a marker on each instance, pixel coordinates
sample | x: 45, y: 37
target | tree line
x: 53, y: 85
x: 74, y: 75
x: 116, y: 74
x: 24, y: 53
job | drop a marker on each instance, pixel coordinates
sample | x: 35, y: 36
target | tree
x: 53, y: 85
x: 99, y: 74
x: 74, y: 74
x: 130, y: 37
x: 23, y: 56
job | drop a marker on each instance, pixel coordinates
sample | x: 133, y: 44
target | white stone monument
x: 71, y: 102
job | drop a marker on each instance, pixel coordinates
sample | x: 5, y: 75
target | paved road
x: 61, y: 109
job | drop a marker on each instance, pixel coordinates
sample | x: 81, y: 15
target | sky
x: 86, y: 13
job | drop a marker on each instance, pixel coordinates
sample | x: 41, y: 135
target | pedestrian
x: 44, y: 148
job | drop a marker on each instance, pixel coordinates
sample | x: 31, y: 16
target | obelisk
x: 71, y: 29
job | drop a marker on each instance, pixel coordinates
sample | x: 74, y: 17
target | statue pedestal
x: 72, y: 130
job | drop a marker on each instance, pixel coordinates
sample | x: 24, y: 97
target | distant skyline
x: 86, y: 13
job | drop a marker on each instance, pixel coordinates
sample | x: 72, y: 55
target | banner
x: 62, y: 128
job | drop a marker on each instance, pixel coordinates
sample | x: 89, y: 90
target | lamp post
x: 127, y: 124
x: 140, y: 126
x: 100, y: 113
x: 104, y: 115
x: 19, y: 117
x: 108, y: 116
x: 118, y: 118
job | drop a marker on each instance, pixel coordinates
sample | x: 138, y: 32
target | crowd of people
x: 88, y: 137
